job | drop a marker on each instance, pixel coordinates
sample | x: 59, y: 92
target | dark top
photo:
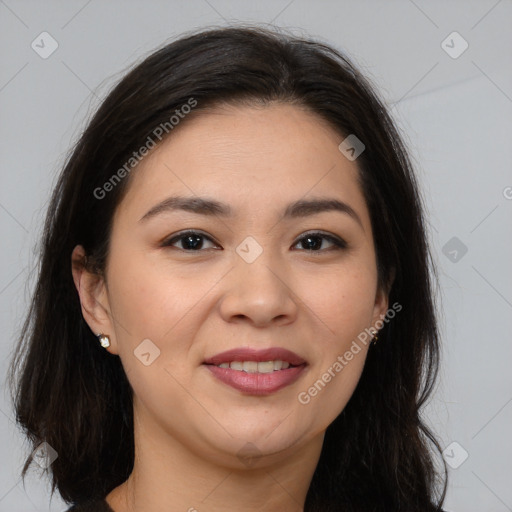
x: 92, y: 506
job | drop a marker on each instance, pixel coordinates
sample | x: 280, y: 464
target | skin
x: 190, y: 427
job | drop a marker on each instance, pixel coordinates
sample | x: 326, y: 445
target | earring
x: 375, y: 338
x: 104, y: 340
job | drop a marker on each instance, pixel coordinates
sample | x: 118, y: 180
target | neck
x: 169, y: 476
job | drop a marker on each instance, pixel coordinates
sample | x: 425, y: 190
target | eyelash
x: 339, y: 243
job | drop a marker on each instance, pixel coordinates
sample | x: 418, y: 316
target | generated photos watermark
x: 363, y: 338
x: 157, y: 134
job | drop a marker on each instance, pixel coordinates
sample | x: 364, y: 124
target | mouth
x: 256, y: 372
x: 257, y: 367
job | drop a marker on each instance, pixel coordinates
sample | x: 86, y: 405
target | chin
x: 259, y: 445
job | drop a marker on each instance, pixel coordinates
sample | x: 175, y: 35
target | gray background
x: 455, y: 115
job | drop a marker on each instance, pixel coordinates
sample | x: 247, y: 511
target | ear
x: 380, y: 307
x: 93, y: 295
x: 382, y: 298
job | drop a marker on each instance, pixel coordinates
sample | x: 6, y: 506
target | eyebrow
x: 211, y: 207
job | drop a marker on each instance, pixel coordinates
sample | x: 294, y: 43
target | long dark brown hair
x: 378, y: 455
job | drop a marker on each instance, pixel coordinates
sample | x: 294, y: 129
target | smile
x: 255, y: 366
x: 256, y: 372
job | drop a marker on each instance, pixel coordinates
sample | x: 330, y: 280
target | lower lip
x: 257, y: 383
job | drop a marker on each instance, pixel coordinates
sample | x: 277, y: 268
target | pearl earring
x: 104, y: 340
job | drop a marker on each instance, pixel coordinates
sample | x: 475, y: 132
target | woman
x: 234, y: 308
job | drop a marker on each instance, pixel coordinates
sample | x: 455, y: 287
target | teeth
x: 266, y: 367
x: 250, y: 366
x: 256, y: 367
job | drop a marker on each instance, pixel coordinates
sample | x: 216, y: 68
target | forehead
x: 248, y: 157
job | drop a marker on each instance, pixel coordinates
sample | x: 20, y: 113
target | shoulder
x: 91, y: 506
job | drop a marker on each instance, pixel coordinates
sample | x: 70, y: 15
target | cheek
x: 329, y: 391
x: 342, y: 300
x: 153, y: 300
x: 340, y: 359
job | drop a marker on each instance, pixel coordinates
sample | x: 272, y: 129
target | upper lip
x: 258, y: 355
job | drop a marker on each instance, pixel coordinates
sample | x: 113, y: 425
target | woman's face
x: 191, y: 316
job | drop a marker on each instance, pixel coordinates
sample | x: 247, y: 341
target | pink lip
x: 257, y: 383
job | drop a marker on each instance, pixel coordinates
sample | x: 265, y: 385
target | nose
x: 259, y: 293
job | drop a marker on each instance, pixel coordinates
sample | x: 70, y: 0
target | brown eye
x: 313, y: 242
x: 192, y: 241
